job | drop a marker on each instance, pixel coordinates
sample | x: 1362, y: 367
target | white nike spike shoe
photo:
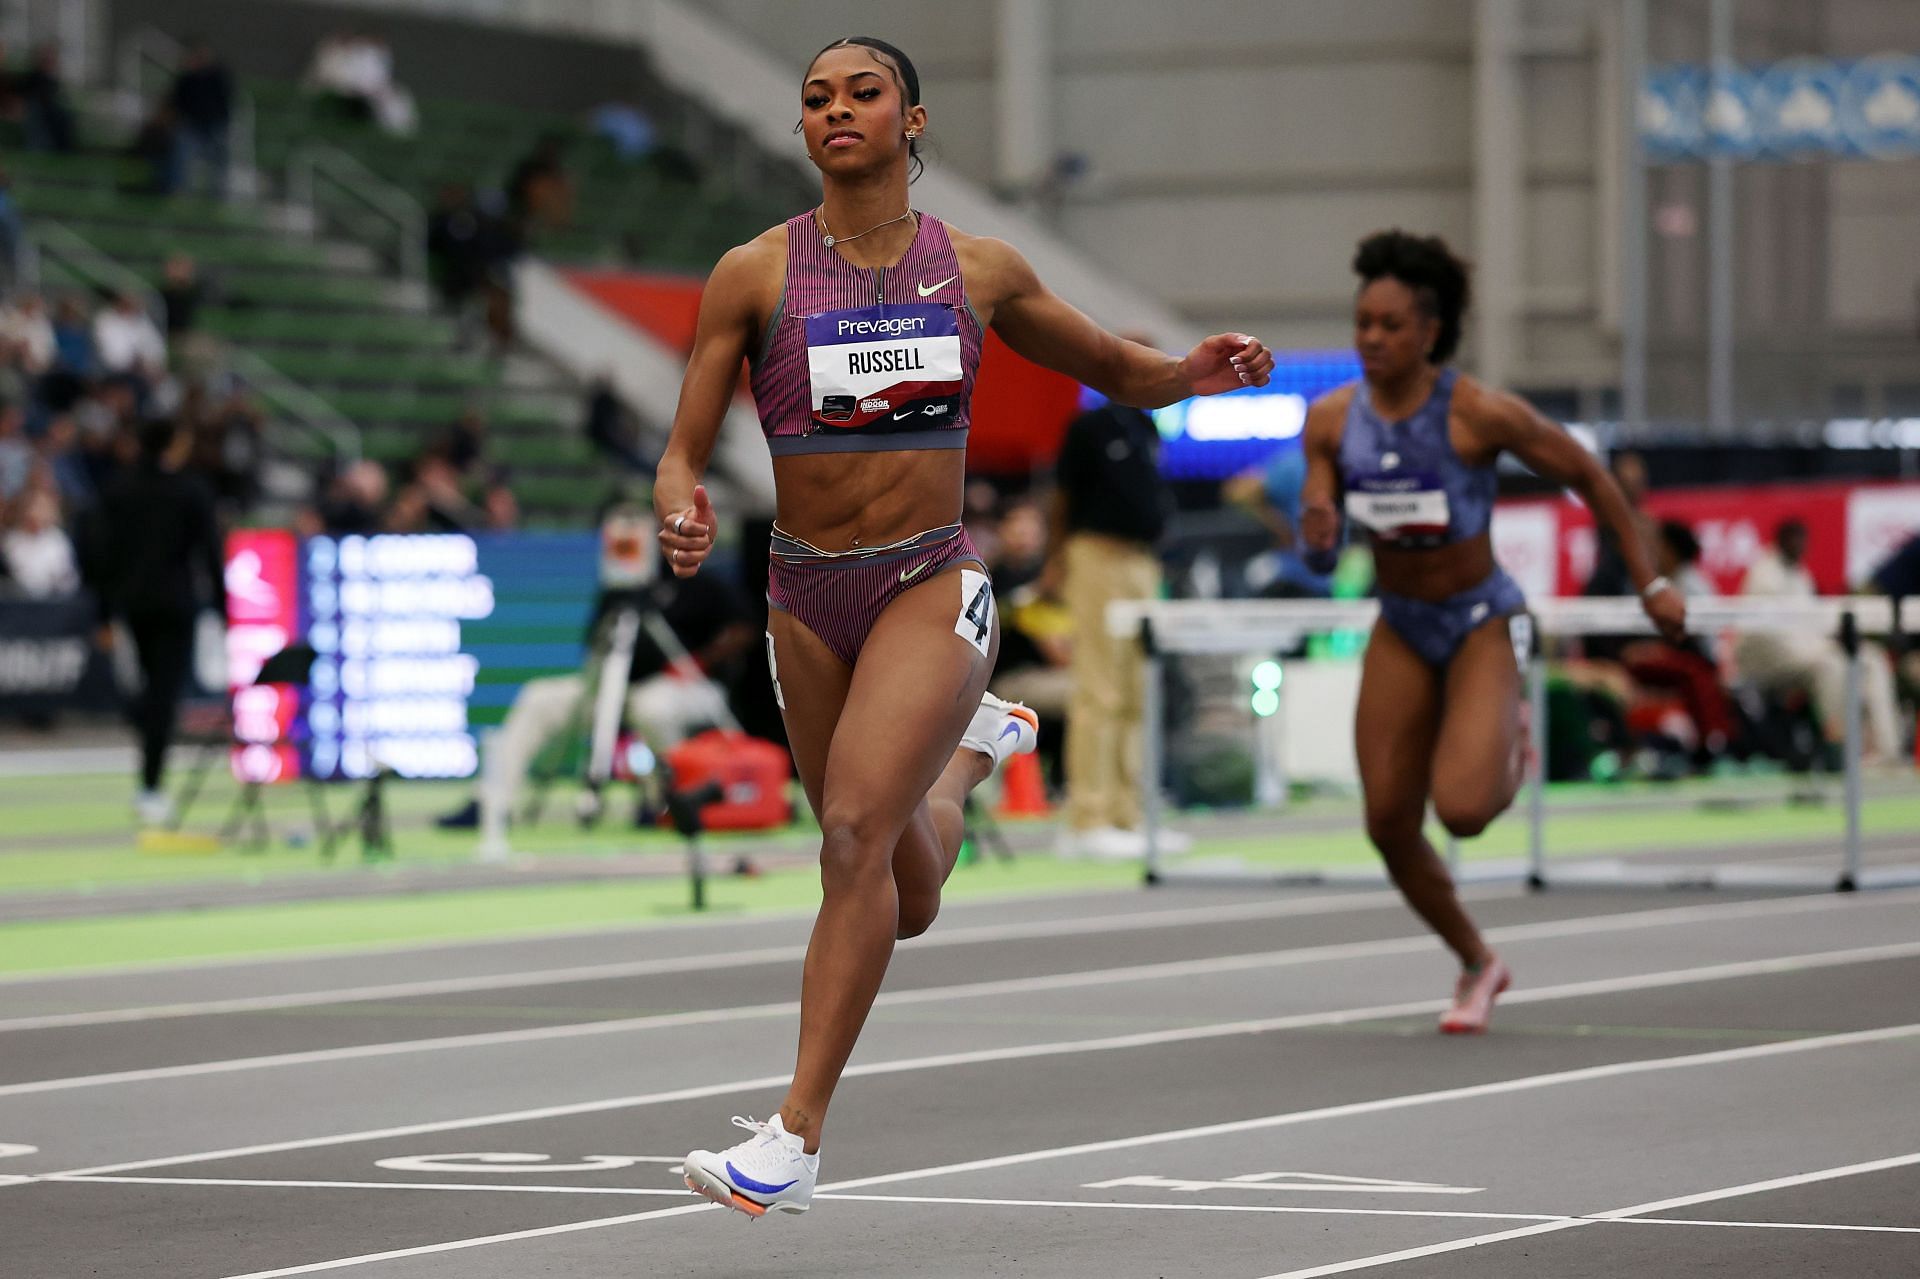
x: 1001, y: 729
x: 768, y: 1172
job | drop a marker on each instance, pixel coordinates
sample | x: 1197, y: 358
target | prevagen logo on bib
x: 892, y: 326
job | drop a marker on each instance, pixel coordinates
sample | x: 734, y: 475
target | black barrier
x: 48, y: 661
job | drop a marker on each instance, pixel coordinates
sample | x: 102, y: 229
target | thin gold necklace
x: 830, y: 240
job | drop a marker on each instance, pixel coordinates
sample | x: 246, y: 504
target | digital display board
x: 1212, y: 437
x: 415, y: 640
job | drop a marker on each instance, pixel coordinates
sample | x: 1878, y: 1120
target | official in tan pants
x: 1103, y: 718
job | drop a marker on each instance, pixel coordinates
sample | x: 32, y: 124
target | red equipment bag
x: 752, y: 773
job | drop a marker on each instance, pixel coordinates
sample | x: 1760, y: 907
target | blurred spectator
x: 158, y: 144
x: 1780, y: 660
x: 502, y: 508
x: 49, y: 119
x: 16, y: 453
x: 626, y: 127
x: 470, y: 254
x: 612, y: 429
x: 1610, y: 575
x: 1688, y: 670
x: 236, y: 449
x: 202, y: 102
x: 75, y: 364
x: 1109, y: 511
x: 12, y: 233
x: 63, y: 463
x: 447, y: 510
x: 1271, y: 494
x: 1036, y: 635
x: 1899, y: 574
x: 39, y: 555
x: 355, y: 500
x: 540, y: 192
x: 353, y: 74
x: 24, y: 326
x: 128, y: 342
x: 183, y: 292
x: 154, y: 557
x: 463, y: 446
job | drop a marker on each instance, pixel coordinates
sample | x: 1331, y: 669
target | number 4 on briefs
x: 980, y: 612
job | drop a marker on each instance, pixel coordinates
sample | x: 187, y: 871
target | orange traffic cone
x: 1022, y: 792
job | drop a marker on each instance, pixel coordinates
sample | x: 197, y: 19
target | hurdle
x: 1171, y: 628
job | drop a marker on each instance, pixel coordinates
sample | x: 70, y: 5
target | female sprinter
x: 1412, y: 446
x: 863, y: 320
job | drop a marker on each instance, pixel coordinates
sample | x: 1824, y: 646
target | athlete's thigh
x: 811, y: 683
x: 915, y: 686
x: 1395, y: 722
x: 1481, y: 713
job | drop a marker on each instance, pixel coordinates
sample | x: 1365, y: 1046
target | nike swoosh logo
x: 928, y: 290
x: 744, y: 1182
x: 903, y: 413
x: 907, y: 573
x: 1011, y: 728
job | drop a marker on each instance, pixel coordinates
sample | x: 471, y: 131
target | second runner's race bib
x: 1406, y: 509
x: 888, y: 367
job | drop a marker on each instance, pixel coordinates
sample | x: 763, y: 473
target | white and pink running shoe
x: 1473, y: 999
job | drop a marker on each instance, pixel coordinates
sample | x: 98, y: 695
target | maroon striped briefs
x: 839, y: 596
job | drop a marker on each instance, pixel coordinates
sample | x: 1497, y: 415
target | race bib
x: 888, y: 367
x: 1407, y: 508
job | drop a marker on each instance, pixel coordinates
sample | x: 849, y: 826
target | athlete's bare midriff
x: 1436, y: 574
x: 838, y: 501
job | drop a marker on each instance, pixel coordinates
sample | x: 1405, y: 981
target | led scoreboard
x: 392, y: 672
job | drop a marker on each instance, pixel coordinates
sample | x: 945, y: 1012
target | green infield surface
x: 67, y: 842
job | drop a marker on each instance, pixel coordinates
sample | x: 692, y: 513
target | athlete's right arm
x: 1320, y: 491
x: 722, y: 337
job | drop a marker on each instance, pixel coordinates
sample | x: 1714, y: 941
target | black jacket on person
x: 1109, y: 470
x: 203, y: 98
x: 153, y: 545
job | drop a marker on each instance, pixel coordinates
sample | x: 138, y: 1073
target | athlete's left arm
x: 1043, y: 327
x: 1501, y: 421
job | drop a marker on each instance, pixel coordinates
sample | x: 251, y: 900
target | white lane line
x: 482, y: 1241
x: 959, y: 1201
x: 599, y: 931
x: 1614, y: 1216
x: 1283, y: 1209
x: 1175, y: 969
x: 1053, y: 1049
x: 270, y: 1184
x: 962, y: 936
x: 1524, y: 1084
x: 1502, y: 1087
x: 1761, y: 1187
x: 1765, y: 1225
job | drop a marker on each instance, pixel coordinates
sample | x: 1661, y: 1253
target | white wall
x: 1238, y: 148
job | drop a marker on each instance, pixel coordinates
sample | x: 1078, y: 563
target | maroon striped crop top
x: 868, y: 360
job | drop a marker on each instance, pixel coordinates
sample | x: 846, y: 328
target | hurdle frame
x: 1167, y: 628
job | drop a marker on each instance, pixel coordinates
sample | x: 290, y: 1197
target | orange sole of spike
x: 1023, y: 713
x: 730, y: 1200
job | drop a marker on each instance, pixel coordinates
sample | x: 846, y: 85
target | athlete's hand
x: 1226, y: 362
x: 1319, y: 527
x: 1667, y: 609
x: 687, y: 534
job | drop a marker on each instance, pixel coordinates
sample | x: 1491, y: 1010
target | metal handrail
x: 292, y: 397
x: 310, y: 166
x: 296, y: 403
x: 149, y: 47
